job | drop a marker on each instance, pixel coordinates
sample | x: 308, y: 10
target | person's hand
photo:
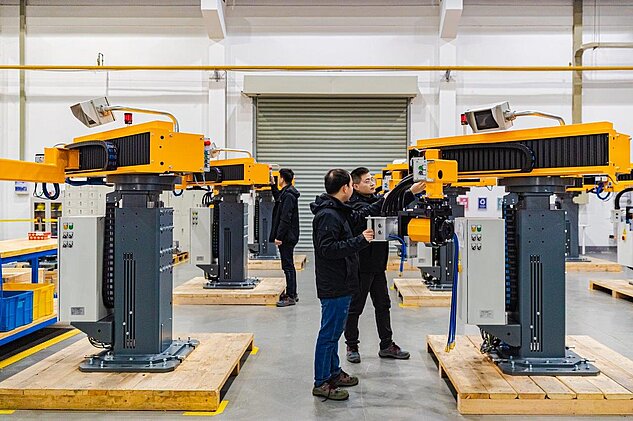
x: 277, y: 242
x: 272, y: 180
x: 368, y: 234
x: 418, y: 187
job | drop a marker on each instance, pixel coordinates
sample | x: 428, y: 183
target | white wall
x: 349, y: 32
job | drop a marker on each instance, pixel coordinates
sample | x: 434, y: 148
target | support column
x: 450, y: 15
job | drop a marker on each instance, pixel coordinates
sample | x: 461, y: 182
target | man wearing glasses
x: 373, y: 281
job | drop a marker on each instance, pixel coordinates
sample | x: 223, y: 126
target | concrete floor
x: 276, y: 382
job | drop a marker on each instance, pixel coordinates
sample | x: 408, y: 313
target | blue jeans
x: 333, y: 318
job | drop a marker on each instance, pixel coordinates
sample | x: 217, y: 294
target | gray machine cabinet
x: 138, y: 325
x: 481, y: 287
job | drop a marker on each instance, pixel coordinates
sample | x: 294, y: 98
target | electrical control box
x: 201, y: 222
x: 481, y: 288
x: 622, y: 220
x: 419, y: 168
x: 80, y: 250
x: 423, y: 255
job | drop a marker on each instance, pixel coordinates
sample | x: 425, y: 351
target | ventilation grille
x: 131, y: 150
x: 129, y: 283
x: 572, y: 151
x: 536, y: 304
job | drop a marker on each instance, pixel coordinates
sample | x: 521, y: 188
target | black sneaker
x: 286, y: 302
x: 296, y: 298
x: 394, y: 351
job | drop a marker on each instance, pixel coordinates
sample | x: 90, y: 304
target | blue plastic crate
x: 16, y: 309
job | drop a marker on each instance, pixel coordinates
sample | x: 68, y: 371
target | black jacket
x: 285, y: 224
x: 335, y: 246
x: 373, y: 258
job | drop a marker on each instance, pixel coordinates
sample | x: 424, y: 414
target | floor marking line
x: 37, y: 348
x: 220, y: 410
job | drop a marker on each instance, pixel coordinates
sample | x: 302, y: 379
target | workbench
x: 23, y: 250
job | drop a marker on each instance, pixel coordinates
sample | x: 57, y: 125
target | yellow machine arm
x: 149, y: 148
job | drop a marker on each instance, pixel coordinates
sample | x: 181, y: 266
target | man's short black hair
x: 335, y: 179
x: 358, y: 173
x: 287, y: 174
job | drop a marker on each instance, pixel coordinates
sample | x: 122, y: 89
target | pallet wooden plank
x: 607, y: 353
x: 463, y: 378
x: 524, y: 386
x: 267, y: 292
x: 593, y: 265
x: 618, y: 288
x: 270, y: 264
x: 544, y: 407
x: 492, y: 380
x: 414, y: 292
x: 566, y: 395
x: 56, y: 382
x: 553, y: 388
x: 606, y: 366
x: 393, y: 265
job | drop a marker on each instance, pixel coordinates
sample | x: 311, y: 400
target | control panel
x: 80, y: 248
x: 481, y: 297
x: 201, y: 221
x: 419, y: 168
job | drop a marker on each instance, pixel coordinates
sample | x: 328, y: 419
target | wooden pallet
x: 275, y: 264
x: 480, y: 388
x: 393, y: 265
x: 181, y: 257
x: 267, y: 292
x: 593, y: 265
x: 57, y: 383
x: 618, y: 288
x: 413, y: 292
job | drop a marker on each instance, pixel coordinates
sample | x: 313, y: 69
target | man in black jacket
x: 336, y: 268
x: 285, y: 231
x: 373, y: 281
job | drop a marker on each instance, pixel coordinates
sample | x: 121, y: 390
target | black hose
x: 394, y: 196
x: 54, y: 195
x: 619, y: 195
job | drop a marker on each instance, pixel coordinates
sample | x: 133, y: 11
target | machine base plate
x: 572, y: 365
x: 248, y: 283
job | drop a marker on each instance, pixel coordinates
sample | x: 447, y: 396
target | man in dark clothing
x: 373, y: 281
x: 285, y: 231
x: 336, y: 268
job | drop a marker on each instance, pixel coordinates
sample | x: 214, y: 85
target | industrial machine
x: 121, y: 295
x: 518, y: 301
x: 264, y: 203
x: 532, y: 165
x: 219, y: 230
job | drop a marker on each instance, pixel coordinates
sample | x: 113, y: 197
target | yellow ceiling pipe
x: 374, y: 68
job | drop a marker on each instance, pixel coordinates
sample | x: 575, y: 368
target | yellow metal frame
x: 170, y: 152
x: 398, y: 172
x: 619, y: 149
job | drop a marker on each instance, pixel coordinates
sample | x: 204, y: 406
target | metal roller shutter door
x: 313, y: 135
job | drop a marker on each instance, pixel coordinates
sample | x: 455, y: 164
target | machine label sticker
x: 78, y: 311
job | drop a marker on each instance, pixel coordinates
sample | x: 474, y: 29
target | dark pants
x: 286, y: 252
x: 374, y: 284
x: 333, y: 316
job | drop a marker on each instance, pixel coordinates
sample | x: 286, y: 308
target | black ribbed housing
x: 131, y: 150
x: 559, y: 152
x: 221, y: 173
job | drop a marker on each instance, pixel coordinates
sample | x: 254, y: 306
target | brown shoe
x: 329, y: 391
x: 345, y: 380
